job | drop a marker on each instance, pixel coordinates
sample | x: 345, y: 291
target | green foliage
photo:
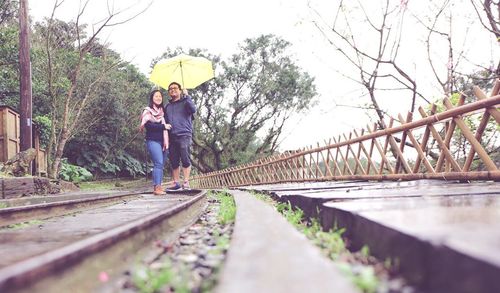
x: 23, y: 225
x: 242, y: 112
x: 8, y: 10
x: 105, y: 103
x: 43, y: 123
x: 148, y: 280
x: 227, y: 209
x: 483, y: 78
x: 264, y: 197
x: 74, y: 173
x: 93, y: 185
x: 113, y: 146
x: 9, y: 71
x: 392, y: 264
x: 365, y: 250
x: 363, y: 277
x: 293, y: 216
x: 100, y: 156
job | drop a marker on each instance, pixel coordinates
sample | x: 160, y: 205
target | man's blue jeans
x: 158, y: 156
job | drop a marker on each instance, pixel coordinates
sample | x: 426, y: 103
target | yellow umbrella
x: 187, y: 70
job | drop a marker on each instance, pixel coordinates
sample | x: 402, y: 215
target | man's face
x: 174, y: 91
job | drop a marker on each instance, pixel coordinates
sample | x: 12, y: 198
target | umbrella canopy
x: 187, y: 70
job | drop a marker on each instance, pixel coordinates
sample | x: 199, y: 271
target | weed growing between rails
x: 192, y: 262
x: 111, y: 184
x: 23, y: 225
x: 227, y: 210
x: 366, y: 272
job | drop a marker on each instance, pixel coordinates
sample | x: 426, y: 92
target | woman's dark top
x: 154, y: 131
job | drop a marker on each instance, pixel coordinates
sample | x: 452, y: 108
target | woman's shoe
x: 158, y: 190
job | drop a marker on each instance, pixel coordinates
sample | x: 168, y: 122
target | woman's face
x: 157, y: 98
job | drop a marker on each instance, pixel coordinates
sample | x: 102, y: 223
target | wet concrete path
x: 267, y: 254
x: 445, y: 236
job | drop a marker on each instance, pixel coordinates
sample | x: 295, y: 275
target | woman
x: 153, y: 120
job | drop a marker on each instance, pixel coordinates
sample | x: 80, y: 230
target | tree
x: 451, y: 31
x: 371, y: 44
x: 8, y: 9
x: 9, y: 44
x: 114, y: 146
x: 9, y: 79
x: 70, y: 92
x: 242, y: 112
x: 488, y: 12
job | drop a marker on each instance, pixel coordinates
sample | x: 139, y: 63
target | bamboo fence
x: 447, y: 145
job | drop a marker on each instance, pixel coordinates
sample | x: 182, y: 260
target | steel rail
x: 35, y: 273
x: 18, y: 214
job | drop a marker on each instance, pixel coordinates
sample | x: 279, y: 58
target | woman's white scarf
x: 155, y: 114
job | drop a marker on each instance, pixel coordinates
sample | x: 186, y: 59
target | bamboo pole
x: 417, y: 146
x: 473, y: 141
x: 461, y: 176
x: 479, y: 134
x: 382, y: 155
x: 368, y: 155
x: 482, y: 97
x: 441, y: 144
x: 358, y: 163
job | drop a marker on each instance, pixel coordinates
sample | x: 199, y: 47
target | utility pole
x: 25, y: 99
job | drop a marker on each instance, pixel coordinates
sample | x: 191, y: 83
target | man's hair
x: 176, y: 83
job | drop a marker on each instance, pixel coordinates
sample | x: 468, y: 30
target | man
x: 179, y: 113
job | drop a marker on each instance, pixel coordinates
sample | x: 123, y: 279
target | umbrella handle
x: 182, y: 74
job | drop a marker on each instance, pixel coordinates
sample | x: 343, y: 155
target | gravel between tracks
x: 190, y: 262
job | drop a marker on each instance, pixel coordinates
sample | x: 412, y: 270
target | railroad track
x: 69, y: 252
x: 26, y: 209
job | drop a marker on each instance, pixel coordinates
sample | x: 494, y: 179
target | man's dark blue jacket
x: 179, y: 114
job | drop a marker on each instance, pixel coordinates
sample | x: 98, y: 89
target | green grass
x: 294, y: 216
x: 227, y: 209
x: 108, y: 184
x: 3, y: 205
x: 364, y: 278
x: 22, y: 225
x: 263, y: 197
x: 365, y: 251
x: 148, y: 280
x: 97, y: 185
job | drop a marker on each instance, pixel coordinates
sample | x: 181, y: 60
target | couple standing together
x: 169, y: 132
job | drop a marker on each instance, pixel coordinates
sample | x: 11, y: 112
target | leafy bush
x: 74, y: 173
x: 99, y: 157
x: 43, y: 125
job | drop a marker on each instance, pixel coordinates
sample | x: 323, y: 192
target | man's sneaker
x: 185, y: 185
x: 175, y: 186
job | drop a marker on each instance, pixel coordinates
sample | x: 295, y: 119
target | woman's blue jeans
x: 158, y: 156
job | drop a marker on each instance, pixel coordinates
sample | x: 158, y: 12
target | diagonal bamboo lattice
x: 438, y: 146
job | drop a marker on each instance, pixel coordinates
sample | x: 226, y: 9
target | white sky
x: 219, y: 26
